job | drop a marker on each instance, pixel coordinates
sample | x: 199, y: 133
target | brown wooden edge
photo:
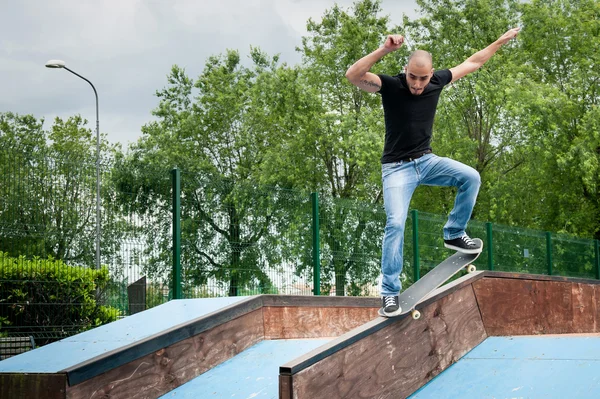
x: 538, y: 277
x: 118, y: 357
x: 353, y: 336
x: 320, y: 301
x: 369, y: 328
x: 285, y: 387
x: 288, y: 370
x: 110, y: 360
x: 33, y: 385
x: 158, y: 373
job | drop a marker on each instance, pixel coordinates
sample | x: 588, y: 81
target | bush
x: 49, y: 299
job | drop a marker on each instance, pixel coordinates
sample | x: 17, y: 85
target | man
x: 409, y: 103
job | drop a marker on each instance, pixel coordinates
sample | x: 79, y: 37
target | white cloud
x: 127, y: 47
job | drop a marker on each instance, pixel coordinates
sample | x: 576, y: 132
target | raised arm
x: 358, y: 74
x: 475, y: 61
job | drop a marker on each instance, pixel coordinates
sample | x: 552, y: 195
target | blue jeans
x: 400, y: 179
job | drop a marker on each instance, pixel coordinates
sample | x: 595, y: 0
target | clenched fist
x: 393, y: 42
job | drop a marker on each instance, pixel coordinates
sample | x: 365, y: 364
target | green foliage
x: 561, y: 41
x: 219, y: 138
x: 50, y: 296
x: 473, y: 125
x: 156, y: 294
x: 347, y: 136
x: 253, y: 137
x: 3, y: 322
x: 48, y: 190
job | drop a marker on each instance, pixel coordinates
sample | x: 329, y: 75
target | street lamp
x: 61, y: 64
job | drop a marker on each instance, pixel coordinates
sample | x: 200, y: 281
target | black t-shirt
x: 409, y: 118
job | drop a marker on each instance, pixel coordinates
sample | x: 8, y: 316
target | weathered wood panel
x: 398, y: 359
x: 526, y: 307
x: 285, y: 387
x: 33, y: 386
x: 320, y: 301
x: 313, y: 322
x: 157, y: 373
x: 97, y: 365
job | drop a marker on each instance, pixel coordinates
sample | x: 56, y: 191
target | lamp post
x: 62, y: 65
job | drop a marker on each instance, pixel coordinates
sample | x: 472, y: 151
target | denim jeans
x: 400, y: 179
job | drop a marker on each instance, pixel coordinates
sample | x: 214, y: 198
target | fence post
x: 597, y: 251
x: 176, y: 179
x: 549, y: 251
x: 316, y: 244
x: 490, y: 245
x: 416, y: 257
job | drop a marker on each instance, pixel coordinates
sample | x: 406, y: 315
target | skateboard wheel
x: 471, y: 268
x: 416, y: 315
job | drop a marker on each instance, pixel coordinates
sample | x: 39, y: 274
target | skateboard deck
x: 414, y: 294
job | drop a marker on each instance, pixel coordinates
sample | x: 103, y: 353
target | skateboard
x: 414, y: 294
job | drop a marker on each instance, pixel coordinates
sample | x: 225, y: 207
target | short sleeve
x: 445, y: 76
x: 387, y: 81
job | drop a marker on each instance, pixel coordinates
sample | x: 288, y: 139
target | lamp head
x: 55, y: 64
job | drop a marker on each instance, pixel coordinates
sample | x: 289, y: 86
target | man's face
x: 418, y: 75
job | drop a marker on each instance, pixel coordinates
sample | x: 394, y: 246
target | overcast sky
x: 126, y: 49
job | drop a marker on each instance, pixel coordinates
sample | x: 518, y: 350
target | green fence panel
x: 415, y: 242
x: 351, y: 234
x: 239, y: 238
x: 231, y: 238
x: 176, y: 279
x: 573, y: 257
x: 316, y: 243
x: 519, y: 250
x: 490, y: 245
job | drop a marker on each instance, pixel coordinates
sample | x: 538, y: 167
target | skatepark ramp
x: 360, y: 355
x: 153, y: 352
x: 393, y: 358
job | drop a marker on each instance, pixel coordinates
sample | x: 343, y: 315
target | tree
x: 561, y: 44
x: 347, y: 140
x: 219, y: 131
x: 473, y: 123
x: 21, y: 141
x: 48, y: 198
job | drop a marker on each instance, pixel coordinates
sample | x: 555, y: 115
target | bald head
x: 420, y: 59
x: 419, y: 71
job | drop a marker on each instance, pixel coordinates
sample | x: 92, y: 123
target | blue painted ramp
x: 82, y: 347
x: 532, y: 367
x: 254, y: 373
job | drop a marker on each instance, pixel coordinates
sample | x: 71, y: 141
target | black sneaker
x: 464, y: 244
x: 390, y: 305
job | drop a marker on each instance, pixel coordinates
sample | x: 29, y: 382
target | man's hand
x: 358, y: 74
x: 475, y: 61
x: 393, y: 43
x: 510, y: 34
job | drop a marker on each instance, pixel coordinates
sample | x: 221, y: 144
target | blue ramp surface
x: 522, y: 367
x: 79, y: 348
x: 254, y: 373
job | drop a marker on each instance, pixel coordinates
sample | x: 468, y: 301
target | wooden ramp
x: 392, y: 358
x: 156, y: 351
x: 153, y: 352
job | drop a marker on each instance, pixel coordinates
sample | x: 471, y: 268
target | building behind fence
x: 174, y: 234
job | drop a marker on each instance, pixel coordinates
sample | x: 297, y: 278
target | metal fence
x: 181, y: 234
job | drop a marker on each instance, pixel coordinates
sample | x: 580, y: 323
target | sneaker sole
x: 463, y: 250
x: 390, y: 314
